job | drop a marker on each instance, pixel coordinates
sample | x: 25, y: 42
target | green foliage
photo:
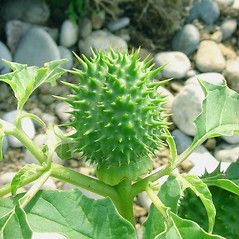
x: 70, y: 214
x: 119, y: 122
x: 24, y: 80
x: 118, y: 115
x: 76, y: 9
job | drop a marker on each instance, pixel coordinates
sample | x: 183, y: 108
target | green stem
x: 142, y: 184
x: 28, y: 143
x: 124, y: 201
x: 83, y: 181
x: 34, y: 189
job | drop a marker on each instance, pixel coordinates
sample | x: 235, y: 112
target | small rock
x: 33, y: 11
x: 234, y: 139
x: 177, y: 64
x: 186, y: 165
x: 186, y: 40
x: 209, y: 57
x: 169, y: 99
x: 225, y: 3
x: 48, y: 118
x: 217, y: 36
x: 139, y: 211
x: 206, y: 10
x: 118, y: 24
x: 182, y: 140
x: 203, y: 161
x: 62, y: 110
x: 68, y: 186
x: 65, y: 53
x: 27, y: 126
x: 102, y: 40
x: 4, y: 146
x: 191, y: 73
x: 69, y: 33
x: 227, y: 153
x: 187, y: 104
x: 232, y: 73
x: 211, y: 77
x: 85, y: 28
x: 228, y: 27
x: 46, y: 99
x: 6, y: 55
x: 227, y: 51
x: 144, y: 200
x: 36, y: 48
x: 39, y: 235
x: 6, y: 178
x: 16, y: 29
x: 4, y: 91
x: 210, y: 144
x: 98, y: 19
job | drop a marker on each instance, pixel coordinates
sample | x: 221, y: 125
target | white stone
x: 209, y: 57
x: 227, y: 153
x: 6, y: 178
x: 169, y: 99
x: 69, y: 33
x: 102, y: 40
x: 62, y: 110
x: 203, y: 162
x: 232, y: 73
x: 234, y: 139
x: 27, y: 126
x: 176, y: 64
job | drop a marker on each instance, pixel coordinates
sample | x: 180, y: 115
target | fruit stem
x: 124, y: 201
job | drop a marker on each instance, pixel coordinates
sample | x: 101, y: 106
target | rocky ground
x: 206, y: 46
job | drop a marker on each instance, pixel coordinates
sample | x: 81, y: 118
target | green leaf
x: 226, y: 184
x: 24, y: 80
x: 220, y: 113
x: 185, y: 229
x: 172, y: 145
x: 233, y: 171
x: 14, y: 224
x: 169, y: 194
x: 24, y: 173
x: 202, y: 191
x: 73, y: 215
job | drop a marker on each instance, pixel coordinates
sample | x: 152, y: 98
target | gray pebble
x: 4, y: 54
x: 36, y: 48
x: 118, y: 24
x: 206, y: 10
x: 177, y: 64
x: 186, y: 40
x: 61, y: 111
x: 69, y: 33
x: 102, y: 40
x: 234, y: 139
x: 228, y: 27
x: 33, y: 11
x: 27, y: 126
x: 182, y: 140
x: 65, y: 53
x: 227, y: 153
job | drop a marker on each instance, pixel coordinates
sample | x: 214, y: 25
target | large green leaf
x: 14, y: 224
x: 185, y: 229
x: 24, y: 80
x: 169, y: 194
x: 220, y: 113
x: 73, y: 215
x: 202, y: 191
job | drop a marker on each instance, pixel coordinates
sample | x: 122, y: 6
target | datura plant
x: 118, y: 123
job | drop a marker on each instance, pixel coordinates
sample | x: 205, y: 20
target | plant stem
x: 124, y: 201
x: 142, y: 184
x: 157, y: 203
x: 28, y: 143
x: 34, y: 189
x: 7, y: 188
x: 83, y: 181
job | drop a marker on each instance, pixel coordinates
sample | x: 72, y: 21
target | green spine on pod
x: 119, y: 116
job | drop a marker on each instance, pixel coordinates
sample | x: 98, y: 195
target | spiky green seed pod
x: 227, y: 208
x: 118, y: 115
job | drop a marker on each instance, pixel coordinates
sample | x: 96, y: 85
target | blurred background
x: 194, y: 38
